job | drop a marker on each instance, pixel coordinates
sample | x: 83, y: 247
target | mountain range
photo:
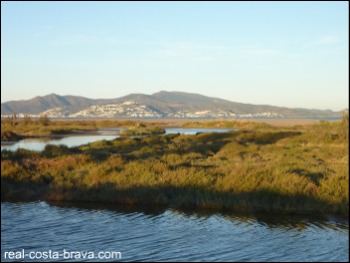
x: 162, y: 104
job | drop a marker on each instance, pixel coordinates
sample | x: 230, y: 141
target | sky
x: 291, y: 54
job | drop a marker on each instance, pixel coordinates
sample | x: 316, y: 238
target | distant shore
x: 273, y: 122
x: 285, y: 122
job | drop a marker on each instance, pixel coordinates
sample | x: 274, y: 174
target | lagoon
x: 39, y: 144
x: 163, y: 234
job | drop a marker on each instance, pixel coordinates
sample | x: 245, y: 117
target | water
x: 70, y: 141
x: 141, y: 234
x: 194, y: 130
x: 104, y: 134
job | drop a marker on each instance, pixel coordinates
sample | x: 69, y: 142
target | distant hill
x: 162, y: 104
x: 40, y: 104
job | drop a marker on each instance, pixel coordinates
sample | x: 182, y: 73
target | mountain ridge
x: 161, y: 104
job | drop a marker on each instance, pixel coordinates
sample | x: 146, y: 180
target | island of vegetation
x: 298, y: 169
x: 14, y: 128
x: 142, y: 130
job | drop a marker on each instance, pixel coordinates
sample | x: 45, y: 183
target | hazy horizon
x: 287, y: 54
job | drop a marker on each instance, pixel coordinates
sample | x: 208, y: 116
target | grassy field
x: 298, y: 169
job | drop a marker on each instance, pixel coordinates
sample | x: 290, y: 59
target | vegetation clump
x: 300, y: 169
x: 28, y: 127
x: 142, y: 130
x: 9, y: 136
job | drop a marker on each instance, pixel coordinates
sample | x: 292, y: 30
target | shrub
x: 44, y: 120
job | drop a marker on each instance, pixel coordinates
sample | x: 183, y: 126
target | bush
x: 7, y: 136
x: 44, y: 120
x: 142, y: 131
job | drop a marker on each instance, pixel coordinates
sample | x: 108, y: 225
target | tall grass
x: 28, y: 127
x: 302, y: 169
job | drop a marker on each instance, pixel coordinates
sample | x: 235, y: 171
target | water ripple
x: 171, y: 235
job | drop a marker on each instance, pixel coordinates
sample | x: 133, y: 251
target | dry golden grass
x: 298, y: 169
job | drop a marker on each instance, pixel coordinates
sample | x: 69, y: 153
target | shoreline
x: 145, y: 204
x: 303, y: 169
x: 54, y: 136
x: 272, y: 121
x: 164, y: 123
x: 179, y: 121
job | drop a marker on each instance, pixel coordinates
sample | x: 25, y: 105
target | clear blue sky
x: 292, y: 54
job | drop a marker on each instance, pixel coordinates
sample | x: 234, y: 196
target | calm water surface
x: 104, y: 134
x: 170, y: 235
x: 70, y: 141
x: 194, y: 130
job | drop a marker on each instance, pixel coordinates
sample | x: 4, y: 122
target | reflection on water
x: 195, y: 130
x: 160, y: 234
x: 70, y: 141
x: 289, y: 222
x: 283, y: 221
x: 104, y: 134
